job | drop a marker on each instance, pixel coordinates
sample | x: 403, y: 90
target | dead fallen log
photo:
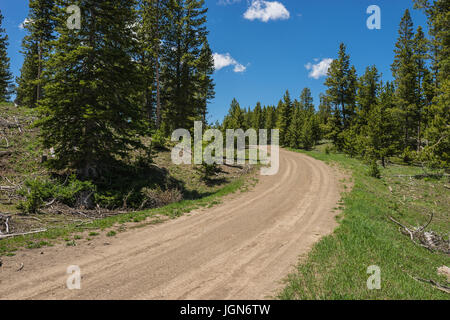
x: 4, y: 236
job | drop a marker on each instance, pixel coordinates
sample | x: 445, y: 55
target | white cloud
x: 24, y: 23
x: 319, y: 69
x: 266, y: 10
x: 225, y: 60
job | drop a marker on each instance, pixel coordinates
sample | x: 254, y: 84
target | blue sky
x: 263, y: 47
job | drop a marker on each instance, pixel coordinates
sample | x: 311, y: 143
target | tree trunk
x: 38, y: 86
x: 158, y: 88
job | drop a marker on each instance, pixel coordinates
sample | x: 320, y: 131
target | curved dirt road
x: 241, y: 249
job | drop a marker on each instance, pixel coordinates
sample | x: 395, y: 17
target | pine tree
x: 437, y: 134
x: 367, y: 99
x: 235, y: 117
x: 5, y: 73
x: 382, y: 127
x: 308, y: 138
x: 88, y: 114
x: 270, y: 121
x: 205, y: 82
x: 36, y: 47
x: 341, y: 92
x: 258, y: 117
x: 151, y: 30
x: 324, y: 115
x: 306, y: 101
x: 186, y: 74
x: 284, y: 117
x: 404, y: 72
x: 368, y: 89
x: 294, y: 136
x: 421, y: 46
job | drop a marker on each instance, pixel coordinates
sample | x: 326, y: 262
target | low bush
x: 159, y: 140
x: 38, y: 191
x: 155, y: 198
x: 374, y: 171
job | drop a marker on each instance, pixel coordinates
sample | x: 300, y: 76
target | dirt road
x: 241, y: 249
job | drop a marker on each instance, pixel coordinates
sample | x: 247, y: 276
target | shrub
x: 37, y: 191
x: 374, y: 171
x: 75, y: 192
x: 155, y: 198
x: 207, y: 171
x: 159, y: 140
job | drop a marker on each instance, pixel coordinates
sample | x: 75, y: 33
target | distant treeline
x: 364, y: 116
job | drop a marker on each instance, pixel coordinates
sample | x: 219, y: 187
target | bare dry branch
x: 21, y: 234
x: 433, y: 283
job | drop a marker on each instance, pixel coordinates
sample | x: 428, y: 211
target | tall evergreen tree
x: 294, y: 134
x: 382, y: 128
x: 368, y: 89
x: 306, y: 101
x: 258, y: 117
x: 324, y: 115
x: 185, y: 67
x: 284, y: 117
x: 270, y: 120
x: 88, y: 114
x: 152, y: 27
x: 235, y: 117
x: 421, y: 47
x: 367, y: 98
x: 404, y: 72
x: 36, y: 47
x: 205, y: 83
x: 5, y: 73
x: 341, y: 92
x: 437, y: 134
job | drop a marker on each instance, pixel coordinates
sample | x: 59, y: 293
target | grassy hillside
x: 337, y: 266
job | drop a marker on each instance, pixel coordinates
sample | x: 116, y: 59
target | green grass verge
x: 174, y: 210
x: 336, y: 268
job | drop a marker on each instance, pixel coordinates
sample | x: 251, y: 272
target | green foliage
x: 111, y: 233
x: 37, y: 191
x: 187, y: 65
x: 341, y: 93
x: 284, y: 117
x: 36, y: 47
x: 437, y: 134
x: 207, y: 171
x: 5, y: 73
x: 235, y: 117
x: 88, y: 114
x: 159, y: 141
x: 374, y: 171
